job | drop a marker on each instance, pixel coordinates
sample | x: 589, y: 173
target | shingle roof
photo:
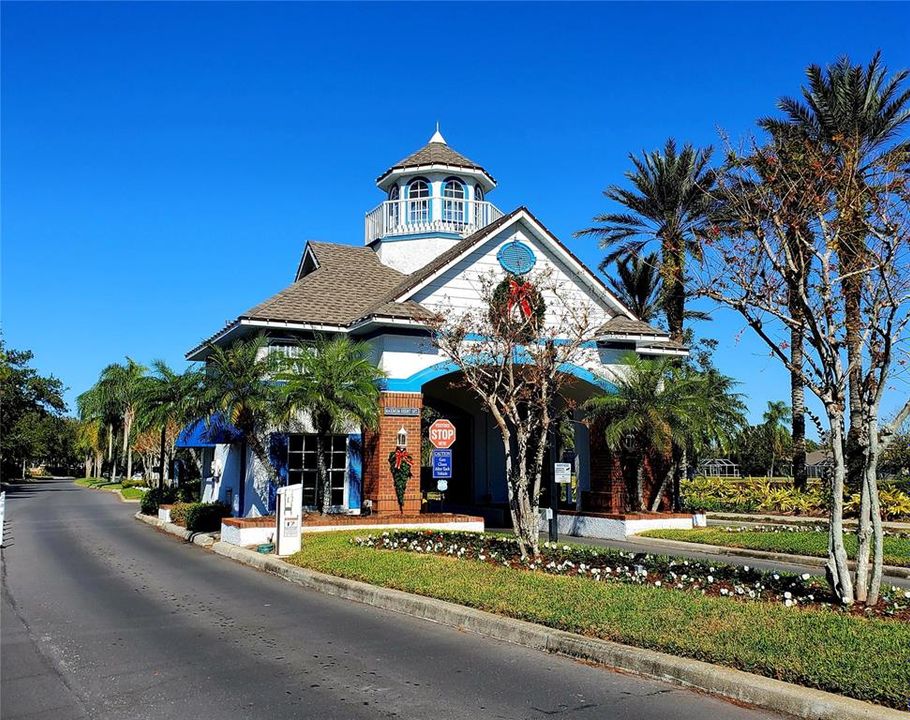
x: 435, y: 153
x: 346, y: 284
x: 620, y: 325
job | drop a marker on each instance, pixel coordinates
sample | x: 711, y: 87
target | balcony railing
x: 428, y: 215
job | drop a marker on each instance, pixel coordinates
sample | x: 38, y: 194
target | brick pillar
x: 378, y: 485
x: 608, y: 487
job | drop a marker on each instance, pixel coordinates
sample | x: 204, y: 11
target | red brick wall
x: 378, y: 485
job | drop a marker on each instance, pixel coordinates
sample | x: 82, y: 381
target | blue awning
x: 199, y: 434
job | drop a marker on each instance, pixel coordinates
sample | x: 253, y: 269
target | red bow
x: 401, y: 456
x: 519, y: 294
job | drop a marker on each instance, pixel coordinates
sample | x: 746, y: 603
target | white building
x: 425, y: 246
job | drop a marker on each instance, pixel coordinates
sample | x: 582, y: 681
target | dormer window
x: 478, y: 193
x: 418, y: 201
x: 453, y: 195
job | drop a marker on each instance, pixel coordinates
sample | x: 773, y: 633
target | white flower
x: 805, y: 576
x: 657, y: 583
x: 724, y: 591
x: 788, y: 595
x: 746, y: 568
x: 788, y: 603
x: 710, y: 578
x: 907, y: 594
x: 776, y: 576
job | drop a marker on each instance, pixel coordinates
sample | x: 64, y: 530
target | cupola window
x: 418, y: 201
x: 478, y: 193
x: 453, y: 194
x: 394, y: 206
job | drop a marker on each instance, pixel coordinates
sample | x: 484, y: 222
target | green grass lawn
x: 130, y: 493
x: 864, y: 658
x: 897, y: 549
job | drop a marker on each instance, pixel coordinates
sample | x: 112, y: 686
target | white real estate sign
x: 562, y: 472
x: 290, y: 519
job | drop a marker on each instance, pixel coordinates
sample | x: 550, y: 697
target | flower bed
x: 615, y: 566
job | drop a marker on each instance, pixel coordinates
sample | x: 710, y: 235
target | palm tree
x: 98, y: 404
x: 774, y: 429
x: 168, y: 397
x: 122, y: 385
x: 239, y: 385
x: 855, y: 114
x: 669, y: 204
x: 637, y: 284
x: 336, y: 385
x: 661, y: 407
x: 90, y: 445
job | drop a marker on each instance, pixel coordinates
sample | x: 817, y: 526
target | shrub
x: 205, y: 517
x: 155, y: 497
x: 179, y: 512
x: 189, y: 492
x: 133, y: 483
x: 895, y: 503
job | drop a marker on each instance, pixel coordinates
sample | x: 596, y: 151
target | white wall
x: 459, y: 288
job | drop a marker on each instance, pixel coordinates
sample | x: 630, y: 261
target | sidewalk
x: 748, y: 519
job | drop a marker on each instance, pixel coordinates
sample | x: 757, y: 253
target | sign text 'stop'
x: 442, y: 433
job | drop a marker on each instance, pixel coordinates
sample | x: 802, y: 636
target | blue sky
x: 164, y: 164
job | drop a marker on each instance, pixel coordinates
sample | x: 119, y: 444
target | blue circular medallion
x: 516, y: 258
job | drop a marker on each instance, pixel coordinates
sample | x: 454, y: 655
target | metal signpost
x: 442, y: 437
x: 2, y: 514
x: 289, y: 516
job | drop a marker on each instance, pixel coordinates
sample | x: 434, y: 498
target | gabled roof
x: 341, y: 288
x: 436, y: 153
x: 417, y: 279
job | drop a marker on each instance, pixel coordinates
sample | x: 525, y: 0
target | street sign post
x: 442, y: 434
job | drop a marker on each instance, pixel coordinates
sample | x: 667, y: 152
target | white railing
x: 428, y: 215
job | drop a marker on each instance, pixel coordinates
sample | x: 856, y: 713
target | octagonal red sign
x: 442, y: 433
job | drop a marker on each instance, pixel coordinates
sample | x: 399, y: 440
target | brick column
x: 608, y: 488
x: 378, y: 485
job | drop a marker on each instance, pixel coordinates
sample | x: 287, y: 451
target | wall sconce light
x: 402, y: 440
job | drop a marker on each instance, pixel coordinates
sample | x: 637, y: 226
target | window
x: 302, y: 466
x: 394, y: 206
x: 418, y: 201
x: 453, y: 201
x: 478, y: 193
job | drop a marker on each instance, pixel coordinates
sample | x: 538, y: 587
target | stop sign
x: 442, y: 433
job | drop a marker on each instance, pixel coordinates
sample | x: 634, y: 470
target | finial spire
x: 437, y: 136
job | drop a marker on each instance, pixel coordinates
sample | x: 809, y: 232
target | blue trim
x: 415, y: 236
x: 355, y: 470
x: 415, y: 382
x: 516, y: 258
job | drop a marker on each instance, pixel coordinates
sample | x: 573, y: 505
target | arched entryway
x: 478, y: 485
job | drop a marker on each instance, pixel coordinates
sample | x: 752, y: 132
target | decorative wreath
x: 400, y: 463
x: 517, y: 308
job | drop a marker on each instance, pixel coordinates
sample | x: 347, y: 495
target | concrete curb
x: 889, y: 570
x: 744, y: 687
x: 795, y: 520
x: 205, y: 540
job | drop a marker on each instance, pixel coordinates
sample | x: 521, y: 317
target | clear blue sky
x: 163, y: 164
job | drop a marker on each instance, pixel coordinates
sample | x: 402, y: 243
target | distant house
x: 818, y: 463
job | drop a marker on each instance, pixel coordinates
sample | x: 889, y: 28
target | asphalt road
x: 103, y: 617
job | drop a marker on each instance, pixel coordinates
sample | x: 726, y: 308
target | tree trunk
x: 798, y: 411
x: 241, y: 490
x: 162, y: 441
x: 837, y: 569
x: 875, y: 512
x: 98, y: 459
x: 88, y: 466
x: 672, y: 269
x: 322, y: 473
x: 640, y: 484
x: 110, y: 450
x: 666, y: 482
